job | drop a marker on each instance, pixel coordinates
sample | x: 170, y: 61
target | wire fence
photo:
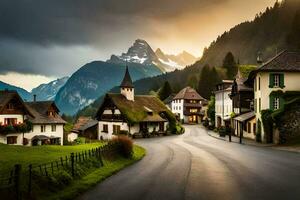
x: 14, y: 183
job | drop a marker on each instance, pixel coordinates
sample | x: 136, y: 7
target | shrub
x: 222, y: 131
x: 63, y: 178
x: 125, y: 145
x: 80, y: 140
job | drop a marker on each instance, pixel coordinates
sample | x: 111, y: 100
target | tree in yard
x: 165, y: 91
x: 230, y: 65
x: 211, y: 110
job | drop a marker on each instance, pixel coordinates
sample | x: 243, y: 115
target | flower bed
x: 16, y: 128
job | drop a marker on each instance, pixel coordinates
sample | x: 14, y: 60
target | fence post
x: 17, y: 179
x: 72, y: 164
x: 29, y: 180
x: 100, y: 158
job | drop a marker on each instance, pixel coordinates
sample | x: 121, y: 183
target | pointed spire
x: 127, y: 82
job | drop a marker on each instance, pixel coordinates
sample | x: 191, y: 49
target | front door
x: 161, y: 127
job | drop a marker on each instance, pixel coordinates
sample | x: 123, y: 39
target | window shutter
x: 281, y: 102
x: 271, y: 80
x: 281, y: 79
x: 271, y: 99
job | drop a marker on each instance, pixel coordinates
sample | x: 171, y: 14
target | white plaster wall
x: 109, y: 134
x: 37, y: 131
x: 127, y: 93
x: 291, y: 82
x: 220, y: 106
x: 72, y: 136
x: 179, y: 105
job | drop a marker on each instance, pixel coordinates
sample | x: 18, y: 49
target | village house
x: 223, y: 104
x: 29, y: 123
x: 187, y: 106
x: 271, y: 81
x: 84, y: 127
x: 126, y: 112
x: 242, y: 96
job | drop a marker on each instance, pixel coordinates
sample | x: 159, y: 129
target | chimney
x: 259, y: 58
x: 34, y: 98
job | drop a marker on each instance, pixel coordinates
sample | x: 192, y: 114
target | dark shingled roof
x: 188, y: 93
x: 137, y: 110
x: 7, y: 95
x: 39, y: 110
x: 169, y: 99
x: 245, y: 117
x: 285, y: 61
x: 127, y: 82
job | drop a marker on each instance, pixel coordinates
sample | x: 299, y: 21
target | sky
x: 41, y: 40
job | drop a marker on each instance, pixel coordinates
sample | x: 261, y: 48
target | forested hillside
x: 272, y: 31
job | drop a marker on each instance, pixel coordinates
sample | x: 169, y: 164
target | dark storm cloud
x: 70, y: 22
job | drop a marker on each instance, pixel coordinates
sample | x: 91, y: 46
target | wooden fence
x: 14, y: 182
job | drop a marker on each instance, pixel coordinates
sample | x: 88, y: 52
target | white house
x: 187, y: 106
x: 130, y: 113
x: 223, y: 105
x: 29, y: 123
x: 279, y: 75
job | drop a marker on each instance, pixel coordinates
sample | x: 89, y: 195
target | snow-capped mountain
x: 142, y: 53
x: 48, y: 91
x: 178, y: 61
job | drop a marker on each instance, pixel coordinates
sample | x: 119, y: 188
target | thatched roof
x: 188, y: 93
x: 137, y: 110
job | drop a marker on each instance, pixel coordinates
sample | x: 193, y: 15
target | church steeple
x: 127, y: 87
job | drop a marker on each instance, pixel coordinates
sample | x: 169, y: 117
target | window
x: 193, y: 110
x: 254, y: 128
x: 12, y: 139
x: 249, y: 127
x: 276, y: 80
x: 276, y: 103
x: 43, y: 128
x: 53, y: 128
x: 10, y: 106
x: 258, y: 83
x: 116, y: 129
x: 51, y: 114
x: 259, y: 104
x: 105, y: 128
x: 10, y: 121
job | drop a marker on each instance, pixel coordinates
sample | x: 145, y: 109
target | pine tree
x: 230, y: 65
x: 165, y: 91
x: 193, y: 82
x: 204, y: 82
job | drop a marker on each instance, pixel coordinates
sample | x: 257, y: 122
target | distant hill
x: 26, y: 96
x: 48, y: 91
x: 93, y: 80
x: 276, y: 29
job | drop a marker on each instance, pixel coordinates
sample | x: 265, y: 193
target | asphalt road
x: 197, y: 166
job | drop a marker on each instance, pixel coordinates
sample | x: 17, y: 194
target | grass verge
x: 79, y: 186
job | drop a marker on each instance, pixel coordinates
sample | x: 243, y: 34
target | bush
x: 222, y: 131
x: 125, y: 145
x: 80, y: 140
x: 206, y: 123
x: 63, y: 178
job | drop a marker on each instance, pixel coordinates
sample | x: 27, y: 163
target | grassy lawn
x: 11, y: 155
x: 85, y: 183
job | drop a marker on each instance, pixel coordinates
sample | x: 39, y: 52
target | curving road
x: 197, y: 166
